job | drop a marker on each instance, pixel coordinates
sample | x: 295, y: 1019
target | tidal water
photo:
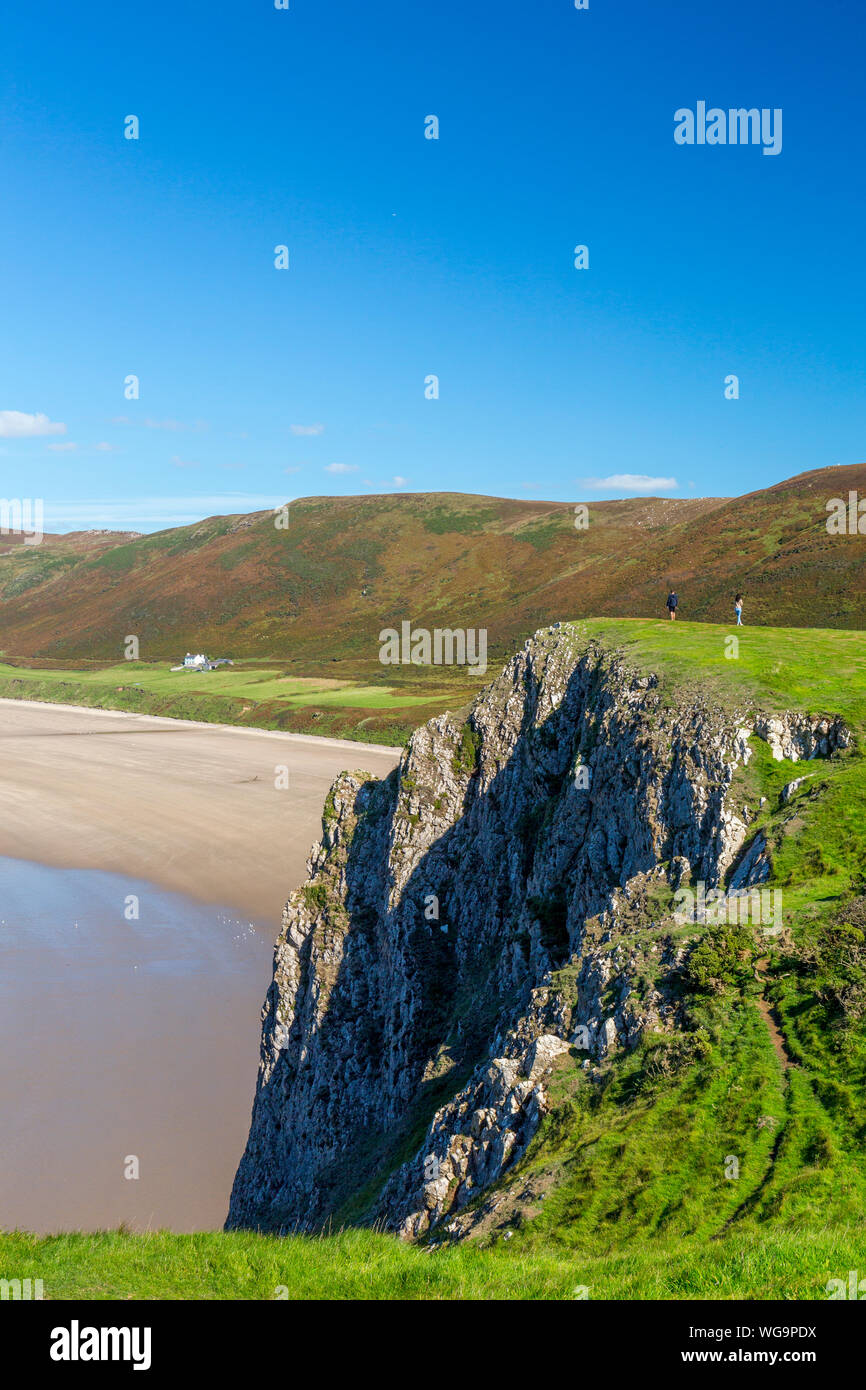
x: 129, y: 1029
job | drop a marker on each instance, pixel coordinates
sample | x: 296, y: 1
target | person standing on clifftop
x: 671, y: 604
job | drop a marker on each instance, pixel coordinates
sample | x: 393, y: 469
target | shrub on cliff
x: 835, y: 959
x: 465, y: 758
x: 722, y: 959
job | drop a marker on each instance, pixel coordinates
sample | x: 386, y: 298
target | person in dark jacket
x: 671, y: 604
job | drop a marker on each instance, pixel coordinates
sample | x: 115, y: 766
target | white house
x: 199, y: 662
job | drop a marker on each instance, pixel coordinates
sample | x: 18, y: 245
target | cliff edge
x: 496, y: 909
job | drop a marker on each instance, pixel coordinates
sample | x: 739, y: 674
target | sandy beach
x: 153, y: 1011
x: 192, y: 807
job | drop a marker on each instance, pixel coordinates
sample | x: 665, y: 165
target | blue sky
x: 411, y: 257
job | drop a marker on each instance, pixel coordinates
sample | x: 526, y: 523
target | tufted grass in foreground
x: 759, y: 1264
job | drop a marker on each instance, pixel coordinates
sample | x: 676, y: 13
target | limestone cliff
x: 478, y: 914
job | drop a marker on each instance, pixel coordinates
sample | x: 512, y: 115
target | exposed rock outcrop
x: 479, y: 919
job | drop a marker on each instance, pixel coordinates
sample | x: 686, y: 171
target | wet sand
x: 193, y: 807
x: 135, y: 954
x: 122, y: 1039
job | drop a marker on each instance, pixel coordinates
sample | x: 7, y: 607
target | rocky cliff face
x: 479, y: 914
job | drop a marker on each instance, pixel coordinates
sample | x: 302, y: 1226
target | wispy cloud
x: 150, y: 424
x: 308, y: 429
x: 62, y: 448
x: 400, y: 482
x: 104, y: 448
x: 152, y: 513
x: 341, y: 468
x: 630, y: 482
x: 185, y: 463
x: 17, y: 424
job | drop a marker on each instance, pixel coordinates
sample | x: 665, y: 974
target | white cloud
x: 62, y: 448
x: 294, y: 468
x: 104, y: 448
x: 341, y: 468
x: 17, y: 424
x: 150, y: 424
x: 308, y: 429
x: 631, y: 482
x: 152, y: 513
x: 185, y: 463
x: 400, y: 482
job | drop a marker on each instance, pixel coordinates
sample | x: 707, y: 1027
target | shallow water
x: 122, y: 1038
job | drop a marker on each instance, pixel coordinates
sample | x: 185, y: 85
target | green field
x: 252, y: 693
x: 244, y: 681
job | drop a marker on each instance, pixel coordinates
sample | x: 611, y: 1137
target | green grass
x: 364, y: 1265
x: 248, y: 693
x: 816, y: 671
x: 243, y: 681
x: 781, y: 667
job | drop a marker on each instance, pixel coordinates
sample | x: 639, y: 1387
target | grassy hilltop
x: 622, y: 1192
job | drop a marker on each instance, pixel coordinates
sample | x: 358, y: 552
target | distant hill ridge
x: 346, y: 567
